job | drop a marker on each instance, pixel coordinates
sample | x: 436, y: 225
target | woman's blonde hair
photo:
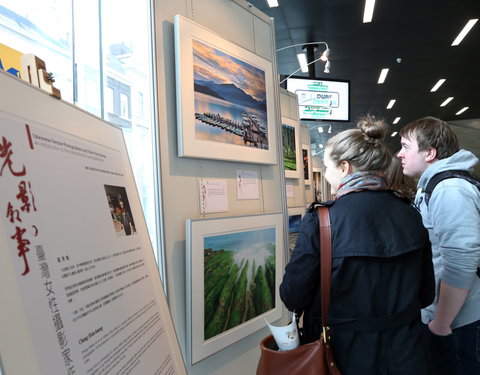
x: 362, y: 147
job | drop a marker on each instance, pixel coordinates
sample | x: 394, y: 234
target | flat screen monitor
x: 321, y: 99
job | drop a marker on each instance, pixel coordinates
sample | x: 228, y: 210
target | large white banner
x: 74, y: 236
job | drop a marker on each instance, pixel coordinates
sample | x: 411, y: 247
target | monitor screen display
x: 321, y: 99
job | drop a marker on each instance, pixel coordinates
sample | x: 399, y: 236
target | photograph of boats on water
x: 292, y: 154
x: 225, y: 100
x: 234, y: 267
x: 230, y: 104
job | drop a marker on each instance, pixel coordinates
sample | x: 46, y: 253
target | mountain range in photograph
x: 230, y: 93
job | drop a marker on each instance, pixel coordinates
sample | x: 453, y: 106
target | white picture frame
x: 204, y: 338
x: 292, y: 160
x: 221, y: 114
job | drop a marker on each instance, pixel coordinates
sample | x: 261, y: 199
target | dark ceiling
x: 419, y: 32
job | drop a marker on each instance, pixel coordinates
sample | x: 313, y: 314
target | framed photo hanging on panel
x: 295, y: 215
x: 234, y: 269
x: 225, y: 99
x: 292, y: 154
x: 307, y: 164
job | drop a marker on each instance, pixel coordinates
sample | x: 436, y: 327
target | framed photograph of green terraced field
x: 225, y: 98
x: 292, y: 153
x: 234, y: 269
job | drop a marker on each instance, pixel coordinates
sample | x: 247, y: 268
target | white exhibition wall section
x: 242, y: 25
x: 302, y: 193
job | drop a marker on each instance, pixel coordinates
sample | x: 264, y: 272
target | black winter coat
x: 382, y: 275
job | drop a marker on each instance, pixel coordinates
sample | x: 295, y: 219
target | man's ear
x: 345, y: 168
x: 431, y: 154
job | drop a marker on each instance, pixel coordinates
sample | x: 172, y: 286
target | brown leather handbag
x: 315, y: 358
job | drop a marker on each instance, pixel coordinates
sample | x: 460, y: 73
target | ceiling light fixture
x: 437, y: 85
x: 397, y: 119
x: 391, y: 103
x: 327, y: 67
x: 464, y: 31
x: 302, y: 60
x: 324, y: 57
x: 448, y: 100
x: 368, y: 11
x: 394, y: 134
x: 383, y: 75
x: 462, y: 110
x: 272, y: 3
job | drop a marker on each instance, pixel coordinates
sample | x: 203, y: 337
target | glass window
x: 124, y: 105
x: 127, y: 61
x: 44, y: 28
x: 109, y: 102
x: 100, y: 52
x: 86, y: 51
x: 140, y: 105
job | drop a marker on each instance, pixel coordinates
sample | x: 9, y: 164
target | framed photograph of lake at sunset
x: 225, y: 99
x: 234, y: 269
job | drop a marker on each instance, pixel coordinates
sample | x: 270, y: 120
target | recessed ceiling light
x: 448, y: 100
x: 383, y: 75
x: 394, y: 134
x: 272, y: 3
x: 397, y: 119
x: 464, y: 31
x: 391, y: 103
x: 462, y: 110
x: 368, y: 11
x: 437, y: 85
x: 302, y: 60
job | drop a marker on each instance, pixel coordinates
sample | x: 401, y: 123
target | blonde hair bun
x: 362, y: 147
x: 372, y: 128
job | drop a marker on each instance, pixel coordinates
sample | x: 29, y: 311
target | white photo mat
x: 186, y: 32
x: 196, y: 231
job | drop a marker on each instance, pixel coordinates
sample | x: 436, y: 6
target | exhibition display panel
x: 83, y: 291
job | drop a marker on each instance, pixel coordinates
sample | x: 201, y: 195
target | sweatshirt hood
x: 462, y: 160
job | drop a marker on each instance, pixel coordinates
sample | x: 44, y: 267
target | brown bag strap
x: 325, y: 260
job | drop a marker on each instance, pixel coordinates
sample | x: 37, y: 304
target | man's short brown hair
x: 431, y: 132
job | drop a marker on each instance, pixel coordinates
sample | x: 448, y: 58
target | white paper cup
x: 287, y: 337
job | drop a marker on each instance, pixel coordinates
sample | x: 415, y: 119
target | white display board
x: 80, y: 288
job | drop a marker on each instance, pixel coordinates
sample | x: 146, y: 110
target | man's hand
x: 450, y: 301
x: 438, y: 329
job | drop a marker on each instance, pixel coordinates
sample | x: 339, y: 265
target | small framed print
x: 292, y: 156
